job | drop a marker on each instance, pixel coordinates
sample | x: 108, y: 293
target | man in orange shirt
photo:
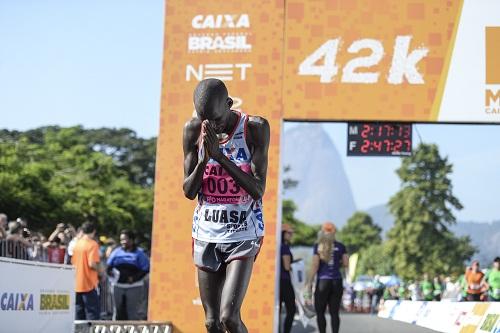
x: 475, y: 282
x: 86, y: 260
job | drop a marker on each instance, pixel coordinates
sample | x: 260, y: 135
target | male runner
x: 225, y: 165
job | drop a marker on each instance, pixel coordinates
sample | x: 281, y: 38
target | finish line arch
x: 388, y: 60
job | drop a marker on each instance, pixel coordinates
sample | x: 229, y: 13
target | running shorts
x: 211, y: 256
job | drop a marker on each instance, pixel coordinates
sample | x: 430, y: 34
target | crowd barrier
x: 36, y: 297
x: 450, y: 317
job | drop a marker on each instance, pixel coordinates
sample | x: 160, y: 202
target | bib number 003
x: 403, y: 65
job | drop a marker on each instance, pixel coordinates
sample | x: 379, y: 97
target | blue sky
x: 93, y: 62
x: 98, y: 63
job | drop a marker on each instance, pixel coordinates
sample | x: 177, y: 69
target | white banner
x: 450, y: 317
x: 36, y: 297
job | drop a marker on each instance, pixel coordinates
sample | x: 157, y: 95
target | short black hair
x: 88, y: 228
x: 497, y: 259
x: 129, y: 233
x: 207, y: 89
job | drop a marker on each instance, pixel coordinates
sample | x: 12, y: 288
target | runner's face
x: 216, y: 111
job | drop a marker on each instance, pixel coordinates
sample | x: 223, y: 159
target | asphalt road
x: 362, y: 323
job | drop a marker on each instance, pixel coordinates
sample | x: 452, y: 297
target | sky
x: 93, y: 62
x: 98, y: 63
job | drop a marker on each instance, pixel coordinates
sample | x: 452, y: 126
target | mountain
x: 315, y: 163
x: 484, y: 236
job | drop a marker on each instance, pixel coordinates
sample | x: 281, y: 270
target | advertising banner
x: 336, y: 60
x: 418, y: 60
x: 239, y: 42
x: 36, y: 297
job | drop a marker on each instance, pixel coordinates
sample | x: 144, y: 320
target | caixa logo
x: 221, y: 21
x: 16, y: 301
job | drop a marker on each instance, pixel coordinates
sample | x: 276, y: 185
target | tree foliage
x: 420, y: 240
x: 375, y: 259
x: 52, y: 174
x: 304, y: 234
x: 359, y: 232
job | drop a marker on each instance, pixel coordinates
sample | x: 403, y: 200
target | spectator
x: 427, y: 288
x: 3, y: 226
x: 71, y: 245
x: 56, y: 252
x: 14, y: 245
x: 375, y: 294
x: 438, y: 289
x: 475, y: 281
x: 86, y: 260
x: 128, y: 266
x: 59, y: 233
x: 493, y: 281
x: 110, y: 247
x: 37, y: 251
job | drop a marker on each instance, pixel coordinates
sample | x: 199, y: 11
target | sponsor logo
x: 16, y: 301
x: 492, y: 89
x: 217, y: 40
x: 221, y: 21
x: 224, y: 72
x: 54, y: 302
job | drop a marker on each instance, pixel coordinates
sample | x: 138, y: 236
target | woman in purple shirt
x: 328, y: 257
x: 287, y: 295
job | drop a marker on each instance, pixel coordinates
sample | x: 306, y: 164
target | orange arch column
x: 240, y: 43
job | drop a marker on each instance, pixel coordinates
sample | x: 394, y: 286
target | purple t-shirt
x: 285, y: 250
x: 331, y: 270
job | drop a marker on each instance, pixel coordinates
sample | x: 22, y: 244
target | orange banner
x: 240, y: 43
x: 365, y: 60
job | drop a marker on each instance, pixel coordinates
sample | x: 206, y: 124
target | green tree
x: 360, y: 232
x: 304, y: 234
x: 53, y: 175
x: 420, y: 240
x: 375, y: 259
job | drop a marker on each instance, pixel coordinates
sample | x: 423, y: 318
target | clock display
x: 379, y: 139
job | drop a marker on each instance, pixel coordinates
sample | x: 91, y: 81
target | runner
x: 475, y: 282
x: 493, y: 281
x: 287, y: 295
x: 225, y: 165
x: 328, y: 257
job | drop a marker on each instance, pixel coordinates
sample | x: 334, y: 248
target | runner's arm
x: 312, y: 272
x: 259, y: 134
x: 193, y: 168
x: 287, y: 262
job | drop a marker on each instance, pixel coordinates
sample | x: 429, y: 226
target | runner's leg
x: 334, y: 304
x: 238, y: 274
x: 289, y: 298
x: 211, y: 284
x: 321, y: 297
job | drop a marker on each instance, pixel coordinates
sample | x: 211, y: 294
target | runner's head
x: 326, y: 237
x: 212, y: 102
x: 286, y: 233
x: 329, y: 227
x: 475, y: 265
x: 496, y: 263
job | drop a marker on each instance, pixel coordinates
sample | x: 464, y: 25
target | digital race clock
x: 379, y: 139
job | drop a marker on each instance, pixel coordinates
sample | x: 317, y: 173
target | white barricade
x: 36, y: 297
x: 450, y: 317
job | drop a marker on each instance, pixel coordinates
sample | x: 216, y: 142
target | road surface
x: 363, y: 323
